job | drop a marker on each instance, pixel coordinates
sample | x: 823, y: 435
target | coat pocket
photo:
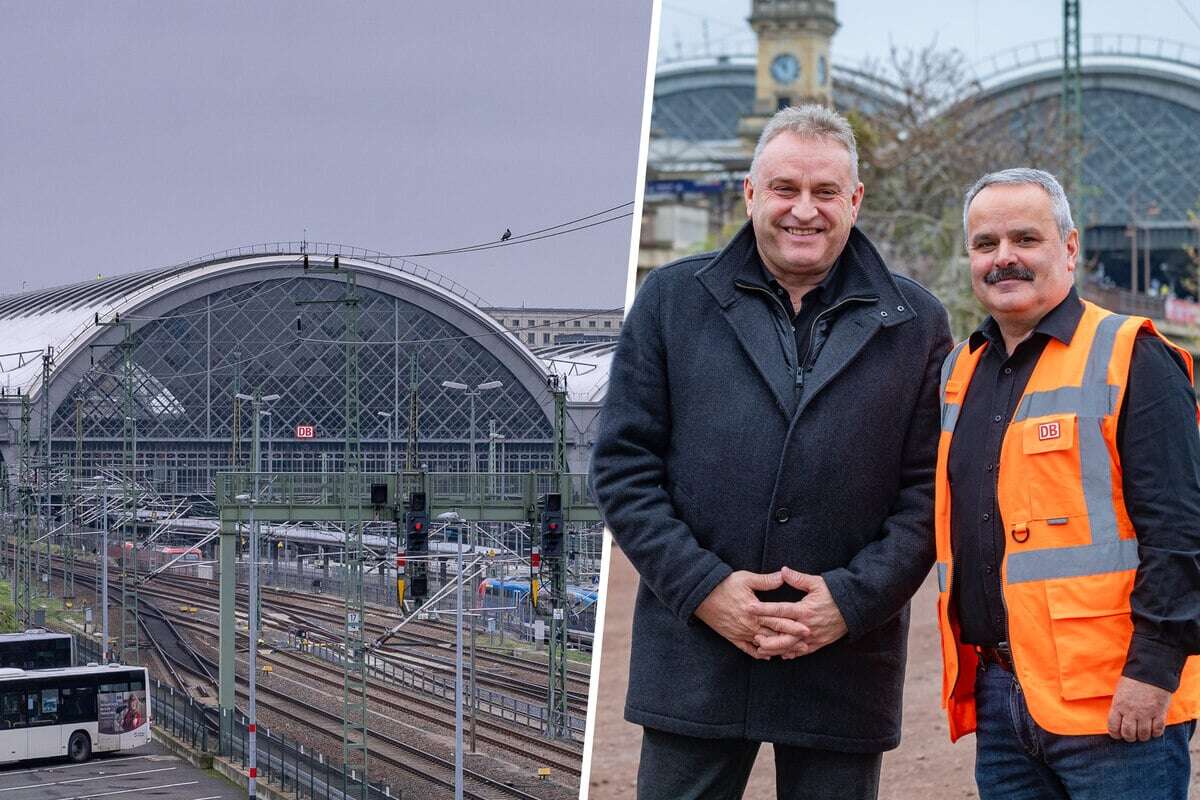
x: 1092, y: 626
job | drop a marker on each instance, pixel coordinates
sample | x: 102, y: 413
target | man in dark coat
x: 766, y: 462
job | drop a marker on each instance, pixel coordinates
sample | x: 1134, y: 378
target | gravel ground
x: 925, y: 766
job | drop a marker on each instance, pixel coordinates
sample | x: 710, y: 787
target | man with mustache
x: 1067, y: 522
x: 769, y: 428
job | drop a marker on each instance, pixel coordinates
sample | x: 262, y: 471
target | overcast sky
x: 979, y: 28
x: 140, y: 134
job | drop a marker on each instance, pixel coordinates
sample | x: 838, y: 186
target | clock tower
x: 793, y: 57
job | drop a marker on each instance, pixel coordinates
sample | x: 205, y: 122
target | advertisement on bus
x: 121, y: 712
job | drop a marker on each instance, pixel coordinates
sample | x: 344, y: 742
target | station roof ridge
x: 64, y: 316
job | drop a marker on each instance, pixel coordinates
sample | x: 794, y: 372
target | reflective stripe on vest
x: 1090, y: 403
x: 950, y: 410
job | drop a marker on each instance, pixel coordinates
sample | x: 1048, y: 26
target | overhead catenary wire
x: 531, y: 236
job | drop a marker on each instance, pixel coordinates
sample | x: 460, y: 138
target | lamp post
x: 471, y: 395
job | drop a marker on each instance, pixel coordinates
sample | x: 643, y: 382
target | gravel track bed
x: 494, y: 764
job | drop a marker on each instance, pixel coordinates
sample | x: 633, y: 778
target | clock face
x: 785, y: 68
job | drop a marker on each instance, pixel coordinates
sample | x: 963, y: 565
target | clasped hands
x: 764, y: 630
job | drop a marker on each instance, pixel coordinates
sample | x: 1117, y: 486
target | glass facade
x: 188, y: 364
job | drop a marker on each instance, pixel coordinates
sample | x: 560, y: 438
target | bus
x: 36, y: 648
x: 73, y: 712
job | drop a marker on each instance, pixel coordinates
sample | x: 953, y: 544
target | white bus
x: 72, y: 712
x: 37, y: 648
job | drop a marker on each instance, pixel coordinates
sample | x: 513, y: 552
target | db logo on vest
x: 1049, y: 430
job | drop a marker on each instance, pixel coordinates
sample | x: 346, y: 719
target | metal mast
x: 129, y: 569
x: 235, y: 439
x: 72, y: 498
x: 411, y: 457
x: 354, y: 682
x: 47, y: 466
x: 554, y: 566
x: 23, y: 580
x: 1072, y: 114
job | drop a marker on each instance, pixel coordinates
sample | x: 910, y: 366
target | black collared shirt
x: 1159, y: 447
x: 818, y: 299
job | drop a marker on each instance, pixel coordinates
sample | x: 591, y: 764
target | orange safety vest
x: 1071, y: 553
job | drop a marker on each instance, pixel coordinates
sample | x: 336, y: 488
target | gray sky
x: 977, y: 27
x: 141, y: 134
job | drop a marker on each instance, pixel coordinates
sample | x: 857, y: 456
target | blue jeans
x: 1016, y: 759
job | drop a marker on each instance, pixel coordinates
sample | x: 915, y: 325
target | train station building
x: 255, y: 320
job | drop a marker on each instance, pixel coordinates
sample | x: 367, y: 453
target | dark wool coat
x: 713, y: 457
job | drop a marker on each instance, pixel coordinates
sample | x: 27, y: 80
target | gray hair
x: 1059, y: 205
x: 809, y: 121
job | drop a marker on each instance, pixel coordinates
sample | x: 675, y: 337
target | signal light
x: 417, y: 544
x: 552, y: 519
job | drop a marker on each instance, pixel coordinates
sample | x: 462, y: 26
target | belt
x: 998, y: 656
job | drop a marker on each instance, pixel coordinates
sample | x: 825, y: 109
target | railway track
x: 510, y: 674
x: 565, y: 757
x: 382, y: 748
x: 164, y: 631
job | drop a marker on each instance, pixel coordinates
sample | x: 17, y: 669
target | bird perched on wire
x: 504, y: 237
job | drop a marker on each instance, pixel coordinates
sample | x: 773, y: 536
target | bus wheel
x: 79, y: 747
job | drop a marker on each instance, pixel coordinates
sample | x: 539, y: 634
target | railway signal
x: 416, y: 545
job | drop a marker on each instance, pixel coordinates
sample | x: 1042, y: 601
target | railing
x: 1097, y: 45
x: 494, y: 703
x: 1123, y: 301
x: 298, y: 248
x: 286, y: 764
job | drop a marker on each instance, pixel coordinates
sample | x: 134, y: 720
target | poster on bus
x: 121, y: 712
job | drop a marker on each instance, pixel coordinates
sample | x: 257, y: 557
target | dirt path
x: 925, y: 766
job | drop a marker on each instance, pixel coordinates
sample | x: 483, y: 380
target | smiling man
x: 1068, y: 522
x: 766, y: 461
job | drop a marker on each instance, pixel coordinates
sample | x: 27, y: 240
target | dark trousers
x: 687, y: 768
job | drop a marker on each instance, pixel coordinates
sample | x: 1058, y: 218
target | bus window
x: 43, y: 706
x: 10, y: 710
x: 78, y: 704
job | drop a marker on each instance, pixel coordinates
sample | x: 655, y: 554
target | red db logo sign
x: 306, y: 431
x: 1049, y: 430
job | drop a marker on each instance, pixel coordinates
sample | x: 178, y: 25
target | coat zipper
x: 798, y: 382
x: 798, y: 375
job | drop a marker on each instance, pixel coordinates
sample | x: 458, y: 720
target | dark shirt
x: 818, y: 299
x: 1159, y: 448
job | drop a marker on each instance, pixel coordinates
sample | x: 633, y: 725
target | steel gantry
x: 23, y: 577
x: 553, y: 567
x: 129, y: 541
x: 354, y: 681
x: 1072, y: 115
x: 46, y: 470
